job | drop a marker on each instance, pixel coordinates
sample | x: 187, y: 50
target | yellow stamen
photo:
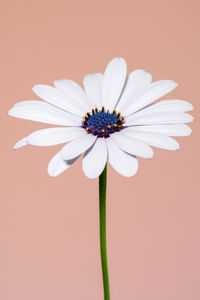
x: 109, y: 126
x: 120, y: 119
x: 123, y: 117
x: 87, y: 128
x: 114, y: 111
x: 84, y: 120
x: 115, y: 125
x: 118, y: 126
x: 103, y: 130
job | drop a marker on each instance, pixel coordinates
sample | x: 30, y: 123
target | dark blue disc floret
x: 103, y: 123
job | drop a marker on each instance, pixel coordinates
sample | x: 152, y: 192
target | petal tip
x: 191, y: 106
x: 175, y: 83
x: 36, y: 88
x: 177, y: 146
x: 90, y: 177
x: 51, y: 173
x: 10, y: 112
x: 150, y: 156
x: 57, y: 81
x: 119, y: 59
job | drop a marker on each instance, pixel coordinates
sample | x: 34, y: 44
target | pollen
x: 102, y: 123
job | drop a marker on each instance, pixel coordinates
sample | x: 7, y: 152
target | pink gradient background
x: 49, y: 239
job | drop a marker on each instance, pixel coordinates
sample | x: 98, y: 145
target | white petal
x: 123, y: 163
x: 93, y: 84
x: 21, y: 143
x: 152, y: 92
x: 43, y: 112
x: 164, y: 106
x: 55, y: 97
x: 154, y: 139
x: 57, y: 165
x: 73, y: 91
x: 78, y: 146
x: 160, y: 118
x: 95, y: 159
x: 131, y: 145
x: 175, y: 105
x: 113, y: 82
x: 55, y: 136
x: 171, y: 130
x: 135, y: 83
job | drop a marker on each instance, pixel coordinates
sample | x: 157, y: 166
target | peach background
x: 49, y: 243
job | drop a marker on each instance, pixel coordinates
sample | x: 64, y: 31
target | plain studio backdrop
x: 49, y: 234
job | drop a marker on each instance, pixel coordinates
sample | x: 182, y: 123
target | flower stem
x: 102, y: 211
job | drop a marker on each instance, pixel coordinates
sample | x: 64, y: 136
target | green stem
x: 102, y: 211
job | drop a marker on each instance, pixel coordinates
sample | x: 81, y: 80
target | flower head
x: 113, y: 119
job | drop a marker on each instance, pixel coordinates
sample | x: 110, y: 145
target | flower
x: 113, y: 119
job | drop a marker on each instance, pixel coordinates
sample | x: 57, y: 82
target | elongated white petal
x: 73, y: 92
x: 57, y: 165
x: 113, y: 82
x: 55, y: 136
x: 95, y: 159
x: 152, y: 92
x: 164, y: 106
x: 78, y: 146
x: 170, y: 130
x: 43, y: 112
x: 55, y: 97
x: 136, y: 82
x: 160, y: 118
x: 21, y: 143
x: 44, y: 106
x: 154, y: 139
x: 123, y: 163
x: 175, y: 105
x: 93, y: 84
x: 131, y: 145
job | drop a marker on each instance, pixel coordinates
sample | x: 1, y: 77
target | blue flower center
x: 103, y: 123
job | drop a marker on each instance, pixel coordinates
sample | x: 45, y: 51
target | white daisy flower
x: 113, y: 119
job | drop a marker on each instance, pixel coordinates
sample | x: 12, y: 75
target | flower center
x: 102, y: 123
